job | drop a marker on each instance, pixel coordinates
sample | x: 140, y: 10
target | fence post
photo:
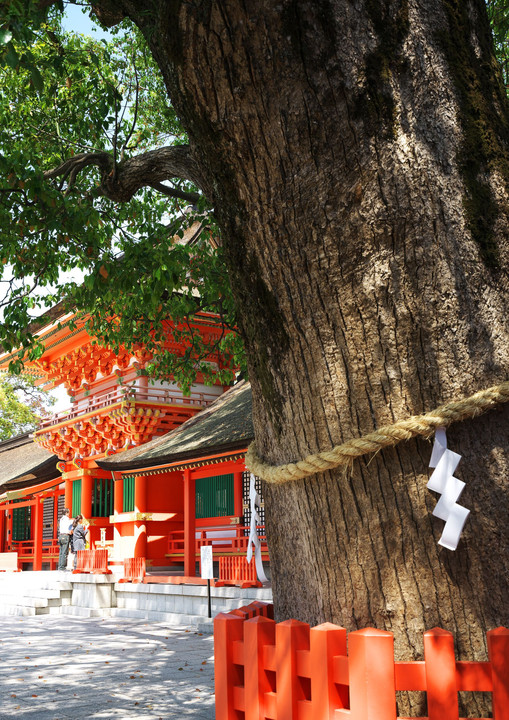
x: 291, y: 636
x: 258, y: 632
x: 498, y: 652
x: 371, y: 673
x: 227, y: 630
x: 440, y: 668
x: 325, y: 642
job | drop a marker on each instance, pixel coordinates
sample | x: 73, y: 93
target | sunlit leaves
x: 498, y: 11
x: 62, y: 95
x: 21, y: 405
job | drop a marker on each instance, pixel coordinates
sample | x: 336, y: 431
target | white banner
x: 254, y: 499
x: 443, y: 481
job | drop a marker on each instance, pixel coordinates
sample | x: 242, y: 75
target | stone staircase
x: 20, y: 595
x: 87, y: 595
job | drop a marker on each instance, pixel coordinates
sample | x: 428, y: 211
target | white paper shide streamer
x: 254, y: 499
x: 450, y: 488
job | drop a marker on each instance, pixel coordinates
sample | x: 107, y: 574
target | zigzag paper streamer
x: 253, y: 535
x: 443, y: 481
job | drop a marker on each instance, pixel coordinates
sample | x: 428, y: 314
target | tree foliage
x: 498, y: 11
x: 89, y: 185
x: 22, y: 405
x: 94, y: 177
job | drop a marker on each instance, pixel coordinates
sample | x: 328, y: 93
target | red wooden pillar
x: 55, y: 516
x: 68, y: 495
x: 371, y: 675
x: 118, y: 508
x: 327, y: 646
x: 118, y: 494
x: 291, y: 637
x: 2, y: 529
x: 238, y: 504
x: 38, y: 535
x: 258, y: 633
x: 87, y: 488
x: 441, y: 686
x: 140, y: 506
x: 498, y: 651
x: 9, y: 529
x: 189, y: 524
x: 228, y: 675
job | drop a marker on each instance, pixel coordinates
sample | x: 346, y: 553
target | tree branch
x: 149, y: 169
x: 189, y: 197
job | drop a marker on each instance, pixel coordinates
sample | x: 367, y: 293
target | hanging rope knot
x: 387, y: 436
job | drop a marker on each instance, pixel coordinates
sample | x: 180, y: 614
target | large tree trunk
x: 357, y: 157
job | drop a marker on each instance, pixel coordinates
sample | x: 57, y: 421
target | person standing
x: 64, y: 538
x: 79, y: 535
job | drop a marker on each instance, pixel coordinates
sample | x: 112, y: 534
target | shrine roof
x: 223, y: 426
x: 22, y: 461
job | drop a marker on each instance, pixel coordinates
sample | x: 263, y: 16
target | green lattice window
x: 76, y: 498
x: 128, y: 505
x: 214, y: 496
x: 102, y: 498
x: 21, y: 523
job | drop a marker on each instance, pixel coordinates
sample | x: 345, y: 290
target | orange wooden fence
x: 287, y: 671
x: 235, y: 570
x: 92, y: 561
x: 134, y: 570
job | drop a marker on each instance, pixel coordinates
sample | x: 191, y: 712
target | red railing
x: 287, y: 671
x: 236, y: 570
x: 26, y: 548
x: 228, y: 539
x: 139, y: 395
x: 134, y: 570
x: 92, y: 561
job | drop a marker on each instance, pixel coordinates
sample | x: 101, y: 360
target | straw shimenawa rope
x: 386, y: 436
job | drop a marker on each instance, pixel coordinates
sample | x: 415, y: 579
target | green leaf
x: 37, y: 79
x: 5, y: 36
x: 11, y: 57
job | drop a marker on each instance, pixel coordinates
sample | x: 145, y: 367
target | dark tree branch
x: 135, y: 118
x: 149, y: 169
x: 108, y: 13
x: 189, y: 197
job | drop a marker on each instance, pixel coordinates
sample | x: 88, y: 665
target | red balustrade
x: 289, y: 671
x: 232, y: 539
x: 26, y: 551
x: 92, y: 561
x: 134, y: 570
x: 140, y: 395
x: 235, y: 570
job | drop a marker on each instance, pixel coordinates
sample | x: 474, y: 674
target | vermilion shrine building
x: 155, y: 473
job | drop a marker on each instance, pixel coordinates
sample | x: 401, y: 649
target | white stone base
x: 87, y: 595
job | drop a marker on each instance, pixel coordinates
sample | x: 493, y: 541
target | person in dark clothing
x: 64, y: 537
x: 79, y: 536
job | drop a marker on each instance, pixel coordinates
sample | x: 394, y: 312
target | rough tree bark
x: 356, y: 152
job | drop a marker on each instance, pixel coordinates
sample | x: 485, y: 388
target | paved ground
x: 69, y: 668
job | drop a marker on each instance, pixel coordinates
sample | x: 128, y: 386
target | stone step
x: 24, y: 601
x: 31, y: 592
x: 155, y: 616
x: 25, y: 586
x: 7, y: 609
x: 84, y: 611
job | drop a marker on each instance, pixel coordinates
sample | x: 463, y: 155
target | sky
x: 77, y: 21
